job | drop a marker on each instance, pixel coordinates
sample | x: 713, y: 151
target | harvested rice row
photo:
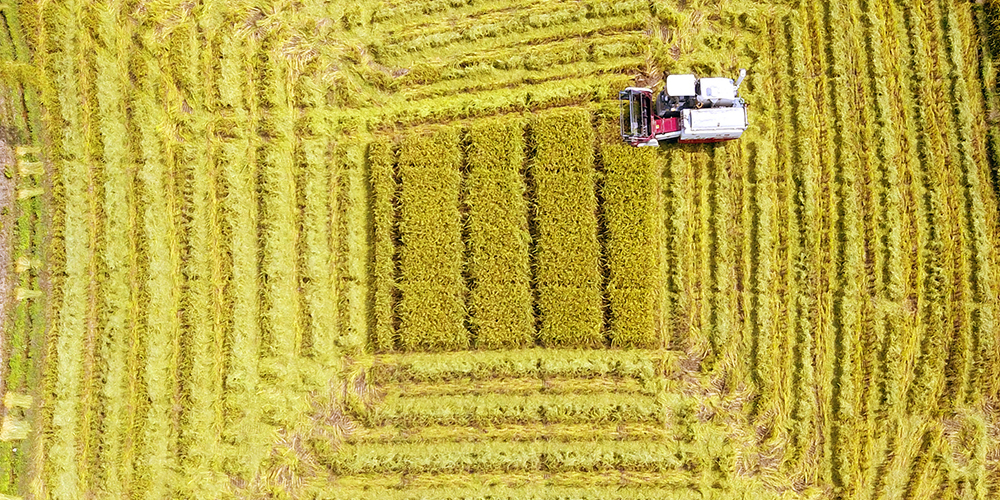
x: 928, y: 370
x: 846, y: 246
x: 509, y: 457
x: 885, y: 242
x: 320, y: 294
x: 567, y: 273
x: 432, y: 307
x: 542, y: 492
x: 622, y: 431
x: 957, y: 354
x: 523, y: 385
x: 974, y: 226
x: 485, y: 365
x: 239, y: 173
x: 206, y: 279
x: 499, y: 266
x: 120, y: 202
x: 400, y: 56
x: 477, y: 79
x: 506, y: 24
x: 526, y: 97
x: 158, y: 457
x: 579, y: 479
x: 283, y: 313
x: 497, y: 409
x: 66, y: 478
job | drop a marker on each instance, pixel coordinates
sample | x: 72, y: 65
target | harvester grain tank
x: 688, y: 109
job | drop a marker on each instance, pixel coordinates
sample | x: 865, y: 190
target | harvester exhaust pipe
x: 743, y: 74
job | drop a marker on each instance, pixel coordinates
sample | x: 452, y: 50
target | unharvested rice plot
x: 396, y: 250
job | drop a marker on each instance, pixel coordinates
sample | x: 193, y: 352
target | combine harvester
x: 689, y: 109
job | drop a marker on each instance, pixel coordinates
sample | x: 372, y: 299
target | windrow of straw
x: 567, y: 273
x: 119, y: 249
x: 65, y: 474
x: 500, y: 301
x: 321, y: 295
x: 630, y: 212
x: 432, y: 307
x: 382, y: 159
x: 158, y: 457
x: 280, y: 216
x: 972, y: 370
x: 204, y: 267
x: 239, y: 174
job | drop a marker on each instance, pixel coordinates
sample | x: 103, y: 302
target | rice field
x: 397, y: 250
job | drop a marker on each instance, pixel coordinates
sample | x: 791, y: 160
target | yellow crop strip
x: 499, y: 266
x: 432, y: 306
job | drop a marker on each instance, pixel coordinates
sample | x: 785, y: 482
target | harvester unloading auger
x: 688, y: 109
